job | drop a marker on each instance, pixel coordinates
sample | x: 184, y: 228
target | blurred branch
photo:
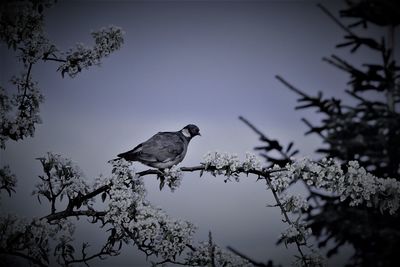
x: 314, y: 129
x: 272, y: 145
x: 338, y: 22
x: 327, y: 106
x: 212, y: 249
x: 24, y: 256
x: 255, y: 263
x: 291, y: 87
x: 353, y: 39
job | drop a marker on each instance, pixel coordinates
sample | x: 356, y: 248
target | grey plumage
x: 164, y: 149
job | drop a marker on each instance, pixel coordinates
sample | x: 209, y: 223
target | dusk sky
x: 200, y: 62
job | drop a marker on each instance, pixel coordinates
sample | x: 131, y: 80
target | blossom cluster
x: 296, y: 232
x: 35, y: 49
x: 5, y: 107
x: 202, y: 256
x: 22, y: 123
x: 7, y: 179
x: 356, y: 185
x: 251, y: 162
x: 134, y: 217
x: 107, y: 40
x: 230, y: 164
x: 18, y: 22
x: 293, y: 203
x: 122, y: 195
x: 21, y: 26
x: 32, y: 237
x: 312, y: 259
x: 173, y: 177
x: 167, y: 237
x: 63, y: 178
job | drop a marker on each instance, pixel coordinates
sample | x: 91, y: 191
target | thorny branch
x: 270, y: 186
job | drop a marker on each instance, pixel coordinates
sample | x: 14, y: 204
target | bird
x: 164, y: 149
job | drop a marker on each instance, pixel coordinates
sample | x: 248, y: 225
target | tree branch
x: 45, y: 58
x: 24, y: 256
x: 28, y: 74
x: 272, y: 143
x: 80, y: 199
x: 340, y: 24
x: 103, y: 252
x: 268, y: 180
x: 67, y: 213
x: 291, y: 87
x: 255, y: 263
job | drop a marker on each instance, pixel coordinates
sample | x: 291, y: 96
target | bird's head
x: 190, y: 131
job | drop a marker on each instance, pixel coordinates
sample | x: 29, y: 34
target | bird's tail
x: 120, y: 156
x: 129, y: 155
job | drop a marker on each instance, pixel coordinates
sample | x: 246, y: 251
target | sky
x: 200, y: 62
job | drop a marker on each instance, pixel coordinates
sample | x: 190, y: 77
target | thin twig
x: 255, y: 263
x: 268, y: 180
x: 66, y: 213
x: 338, y: 22
x: 54, y: 59
x: 28, y: 74
x: 212, y: 249
x: 291, y: 87
x: 263, y: 136
x: 270, y: 186
x: 311, y: 126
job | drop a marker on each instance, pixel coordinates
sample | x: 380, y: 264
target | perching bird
x: 164, y: 149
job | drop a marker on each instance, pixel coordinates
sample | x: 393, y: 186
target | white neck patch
x: 186, y: 133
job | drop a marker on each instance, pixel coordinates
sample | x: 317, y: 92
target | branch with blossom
x: 128, y: 216
x: 8, y: 181
x: 131, y: 219
x: 22, y: 29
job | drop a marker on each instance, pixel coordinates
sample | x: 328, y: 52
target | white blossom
x: 173, y: 177
x: 230, y: 164
x: 294, y: 203
x: 312, y: 259
x: 32, y: 237
x: 107, y: 40
x: 280, y: 180
x: 27, y: 100
x: 356, y: 185
x: 63, y: 178
x: 251, y: 162
x: 7, y: 179
x: 20, y: 21
x: 296, y: 232
x: 132, y: 215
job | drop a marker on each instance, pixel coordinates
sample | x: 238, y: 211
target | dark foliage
x: 367, y: 131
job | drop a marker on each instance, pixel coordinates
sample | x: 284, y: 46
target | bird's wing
x: 162, y: 147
